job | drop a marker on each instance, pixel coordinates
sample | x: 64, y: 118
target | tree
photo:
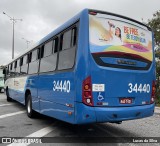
x: 154, y: 23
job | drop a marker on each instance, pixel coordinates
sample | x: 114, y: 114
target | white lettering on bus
x: 139, y: 88
x: 62, y: 86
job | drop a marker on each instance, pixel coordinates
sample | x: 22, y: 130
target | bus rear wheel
x: 7, y: 94
x: 30, y: 111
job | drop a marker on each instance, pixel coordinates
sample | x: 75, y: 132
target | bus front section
x: 121, y: 83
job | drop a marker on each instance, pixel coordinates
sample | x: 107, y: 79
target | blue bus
x: 96, y: 67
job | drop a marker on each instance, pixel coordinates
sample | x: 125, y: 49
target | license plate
x: 125, y: 100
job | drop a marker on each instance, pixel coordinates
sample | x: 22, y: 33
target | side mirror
x: 4, y: 71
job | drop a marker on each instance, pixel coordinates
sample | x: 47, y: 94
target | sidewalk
x: 157, y: 109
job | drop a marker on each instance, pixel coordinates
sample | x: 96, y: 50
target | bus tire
x: 30, y: 111
x: 8, y: 97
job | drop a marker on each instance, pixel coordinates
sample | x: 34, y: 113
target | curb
x: 156, y: 107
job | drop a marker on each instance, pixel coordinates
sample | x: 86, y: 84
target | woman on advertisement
x: 116, y: 38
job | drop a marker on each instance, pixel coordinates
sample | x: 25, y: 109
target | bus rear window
x: 118, y: 42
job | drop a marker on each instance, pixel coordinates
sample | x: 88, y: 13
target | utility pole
x: 27, y: 41
x: 14, y: 20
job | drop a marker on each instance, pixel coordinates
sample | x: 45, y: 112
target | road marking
x: 4, y: 104
x: 42, y: 132
x: 11, y: 114
x: 39, y: 133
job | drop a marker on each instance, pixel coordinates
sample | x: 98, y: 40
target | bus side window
x: 42, y: 52
x: 11, y: 69
x: 48, y: 49
x: 17, y: 69
x: 34, y: 55
x: 38, y: 53
x: 55, y: 45
x: 34, y: 64
x: 24, y: 65
x: 74, y: 36
x: 21, y: 61
x: 29, y: 57
x: 18, y: 62
x: 14, y: 67
x: 8, y: 70
x: 67, y: 49
x: 66, y: 40
x: 15, y: 64
x: 49, y: 60
x: 8, y: 67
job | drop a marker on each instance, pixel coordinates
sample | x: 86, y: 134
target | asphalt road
x: 15, y: 123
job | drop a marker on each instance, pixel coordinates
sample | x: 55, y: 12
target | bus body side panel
x: 19, y: 88
x: 10, y: 84
x: 16, y: 88
x: 57, y: 94
x: 82, y: 71
x: 57, y: 110
x: 32, y: 86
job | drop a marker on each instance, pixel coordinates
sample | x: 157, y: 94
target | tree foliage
x: 154, y: 23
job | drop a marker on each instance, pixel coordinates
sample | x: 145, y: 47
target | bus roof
x: 68, y: 23
x: 118, y: 15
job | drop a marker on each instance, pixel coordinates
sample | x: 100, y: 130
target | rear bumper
x: 86, y: 114
x: 123, y: 113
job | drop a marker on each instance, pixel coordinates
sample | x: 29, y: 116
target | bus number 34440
x: 139, y: 88
x: 62, y: 86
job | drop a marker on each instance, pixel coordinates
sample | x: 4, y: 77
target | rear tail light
x: 153, y: 96
x: 87, y: 92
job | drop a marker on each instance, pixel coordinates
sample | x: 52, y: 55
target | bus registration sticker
x: 98, y: 87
